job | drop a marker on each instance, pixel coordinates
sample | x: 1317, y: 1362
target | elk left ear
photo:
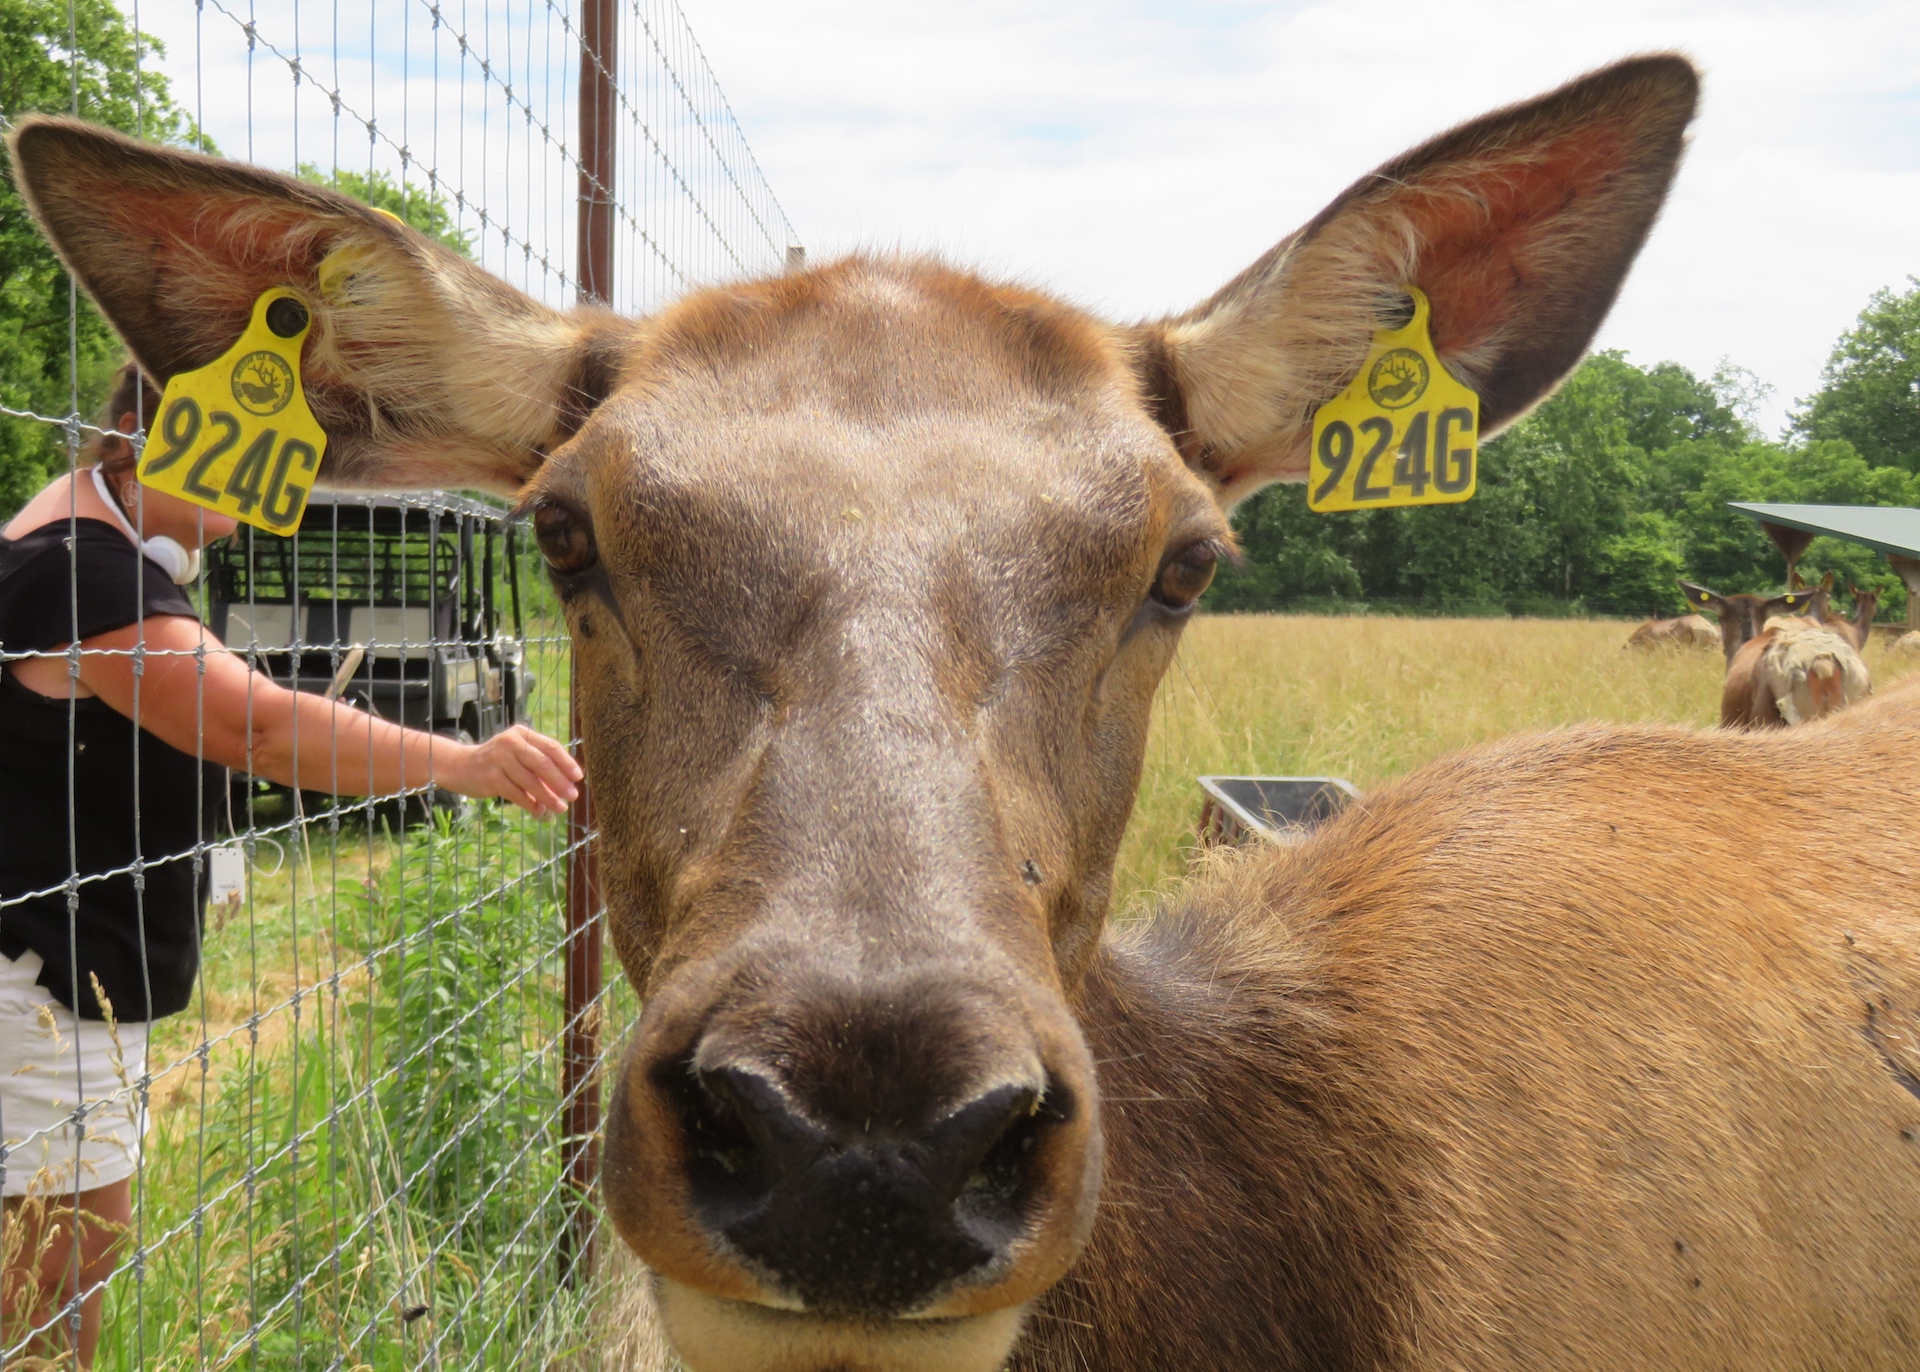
x: 423, y: 369
x: 1519, y: 227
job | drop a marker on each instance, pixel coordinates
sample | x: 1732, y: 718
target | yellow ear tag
x: 337, y: 268
x: 1404, y: 432
x: 236, y: 435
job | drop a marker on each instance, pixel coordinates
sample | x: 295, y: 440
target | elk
x: 1692, y: 631
x: 1406, y: 379
x: 1790, y: 673
x: 1743, y: 616
x: 872, y: 571
x: 1866, y: 604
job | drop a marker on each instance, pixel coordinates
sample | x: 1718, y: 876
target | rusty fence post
x: 599, y: 34
x: 586, y: 925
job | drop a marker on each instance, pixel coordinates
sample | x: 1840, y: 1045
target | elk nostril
x: 860, y: 1215
x: 743, y: 1138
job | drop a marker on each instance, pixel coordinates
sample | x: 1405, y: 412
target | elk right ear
x: 1519, y: 227
x: 1701, y: 598
x: 423, y: 369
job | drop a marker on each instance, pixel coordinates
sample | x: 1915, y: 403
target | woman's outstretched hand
x: 516, y: 764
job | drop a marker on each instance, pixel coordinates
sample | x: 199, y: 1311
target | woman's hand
x: 205, y: 701
x: 516, y: 764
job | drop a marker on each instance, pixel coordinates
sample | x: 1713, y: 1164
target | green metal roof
x: 1891, y: 530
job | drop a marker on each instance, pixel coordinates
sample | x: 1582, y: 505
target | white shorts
x: 52, y: 1069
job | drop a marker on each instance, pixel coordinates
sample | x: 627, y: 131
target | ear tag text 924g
x: 1403, y: 432
x: 236, y: 435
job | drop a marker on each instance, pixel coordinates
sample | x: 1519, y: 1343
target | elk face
x: 869, y: 630
x: 871, y: 573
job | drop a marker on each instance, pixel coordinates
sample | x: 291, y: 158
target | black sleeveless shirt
x: 143, y: 944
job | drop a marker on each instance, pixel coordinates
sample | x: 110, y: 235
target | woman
x: 119, y: 715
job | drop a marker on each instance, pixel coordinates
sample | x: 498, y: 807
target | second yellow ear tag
x: 236, y: 435
x: 1404, y: 432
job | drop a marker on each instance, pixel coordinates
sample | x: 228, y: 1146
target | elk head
x: 1743, y: 616
x: 871, y: 573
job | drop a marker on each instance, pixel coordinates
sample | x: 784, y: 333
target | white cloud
x: 1136, y: 155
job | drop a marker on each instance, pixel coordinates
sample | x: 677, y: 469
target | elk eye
x: 565, y: 539
x: 1185, y: 576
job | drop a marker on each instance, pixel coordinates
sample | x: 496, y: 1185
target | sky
x: 1132, y: 155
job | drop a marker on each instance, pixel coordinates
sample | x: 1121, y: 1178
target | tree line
x: 1597, y: 502
x: 56, y: 352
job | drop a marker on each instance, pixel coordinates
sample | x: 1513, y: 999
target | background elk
x: 1743, y: 616
x: 1788, y: 659
x: 872, y: 572
x: 1691, y: 631
x: 1858, y: 629
x: 1790, y: 673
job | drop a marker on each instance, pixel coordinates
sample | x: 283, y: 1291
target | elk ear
x: 423, y: 369
x: 1701, y: 598
x: 1792, y: 603
x: 1519, y: 227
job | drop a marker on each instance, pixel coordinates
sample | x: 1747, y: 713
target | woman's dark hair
x: 132, y: 394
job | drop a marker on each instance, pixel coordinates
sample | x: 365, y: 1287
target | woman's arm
x: 238, y: 717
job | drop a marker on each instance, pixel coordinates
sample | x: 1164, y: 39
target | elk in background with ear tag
x: 236, y: 435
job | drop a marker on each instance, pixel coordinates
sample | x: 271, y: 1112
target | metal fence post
x: 599, y: 35
x: 580, y: 1076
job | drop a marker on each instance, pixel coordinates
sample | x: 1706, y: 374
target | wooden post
x: 586, y: 924
x: 1909, y: 569
x: 599, y: 46
x: 1791, y: 543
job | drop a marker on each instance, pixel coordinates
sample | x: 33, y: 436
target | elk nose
x: 855, y: 1218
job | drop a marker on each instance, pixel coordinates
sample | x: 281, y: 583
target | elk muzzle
x: 842, y: 1151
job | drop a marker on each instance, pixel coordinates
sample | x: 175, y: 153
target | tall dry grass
x: 1371, y: 698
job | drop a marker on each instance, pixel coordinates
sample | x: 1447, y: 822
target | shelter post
x: 1909, y: 569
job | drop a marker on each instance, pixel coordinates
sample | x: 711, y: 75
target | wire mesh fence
x: 363, y: 1142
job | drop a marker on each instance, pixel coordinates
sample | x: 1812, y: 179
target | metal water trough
x: 1279, y: 809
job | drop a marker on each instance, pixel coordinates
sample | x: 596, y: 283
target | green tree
x: 422, y: 209
x: 86, y: 59
x: 1727, y: 551
x: 1869, y: 394
x: 1580, y: 504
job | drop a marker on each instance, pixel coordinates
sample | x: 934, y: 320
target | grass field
x: 1371, y: 698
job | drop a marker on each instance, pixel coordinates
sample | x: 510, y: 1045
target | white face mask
x: 176, y: 561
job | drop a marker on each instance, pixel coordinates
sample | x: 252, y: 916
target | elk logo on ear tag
x: 236, y: 435
x: 1403, y: 432
x: 262, y: 383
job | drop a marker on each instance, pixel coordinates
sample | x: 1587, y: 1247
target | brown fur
x: 1793, y: 672
x: 1528, y: 1036
x: 1691, y: 631
x: 867, y: 572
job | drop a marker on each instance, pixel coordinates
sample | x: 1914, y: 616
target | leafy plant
x: 83, y: 58
x: 381, y: 1187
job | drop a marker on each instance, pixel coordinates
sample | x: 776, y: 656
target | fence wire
x: 352, y: 1149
